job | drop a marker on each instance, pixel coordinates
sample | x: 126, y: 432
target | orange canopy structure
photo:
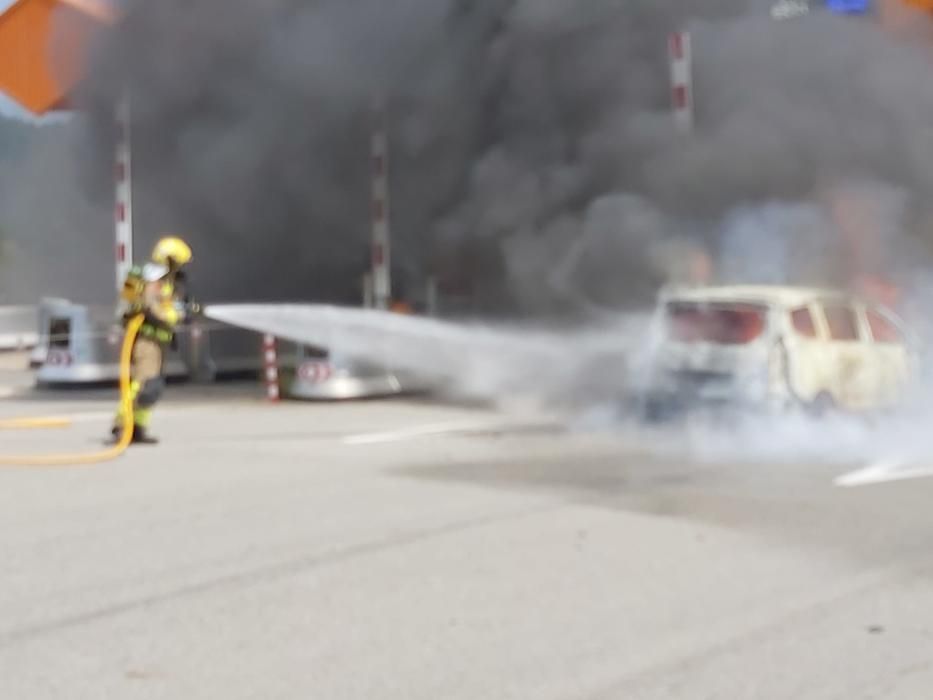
x: 43, y: 49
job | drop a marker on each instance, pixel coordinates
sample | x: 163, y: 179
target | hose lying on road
x: 34, y: 423
x: 78, y: 459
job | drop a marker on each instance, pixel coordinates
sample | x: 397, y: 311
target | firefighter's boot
x: 116, y: 432
x: 141, y: 436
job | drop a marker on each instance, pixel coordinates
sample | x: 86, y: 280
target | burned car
x: 774, y: 347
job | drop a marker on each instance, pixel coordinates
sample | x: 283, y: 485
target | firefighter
x: 152, y: 292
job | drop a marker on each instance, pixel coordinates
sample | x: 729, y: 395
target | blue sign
x: 849, y: 7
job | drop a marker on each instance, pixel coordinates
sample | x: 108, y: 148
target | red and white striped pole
x: 381, y: 260
x: 123, y: 173
x: 681, y: 58
x: 270, y: 367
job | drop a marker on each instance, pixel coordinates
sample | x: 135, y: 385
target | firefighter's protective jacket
x: 157, y: 302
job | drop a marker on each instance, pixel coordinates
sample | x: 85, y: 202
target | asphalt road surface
x: 405, y: 550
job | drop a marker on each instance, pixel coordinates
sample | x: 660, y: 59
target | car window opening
x: 723, y: 324
x: 802, y: 321
x: 882, y: 329
x: 842, y: 322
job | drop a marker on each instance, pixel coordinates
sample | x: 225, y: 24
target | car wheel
x: 658, y: 411
x: 822, y: 405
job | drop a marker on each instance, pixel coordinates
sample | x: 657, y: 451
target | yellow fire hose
x: 68, y: 460
x: 34, y: 423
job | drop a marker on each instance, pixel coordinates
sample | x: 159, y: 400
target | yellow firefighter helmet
x: 171, y: 251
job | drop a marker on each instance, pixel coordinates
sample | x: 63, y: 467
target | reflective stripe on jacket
x: 161, y: 314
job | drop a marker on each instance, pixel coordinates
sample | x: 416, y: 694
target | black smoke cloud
x: 532, y: 144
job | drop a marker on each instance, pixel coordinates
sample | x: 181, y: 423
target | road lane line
x: 418, y: 431
x: 884, y: 471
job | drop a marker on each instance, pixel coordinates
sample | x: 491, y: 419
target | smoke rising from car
x: 517, y: 127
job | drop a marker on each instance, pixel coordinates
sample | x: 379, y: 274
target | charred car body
x: 775, y: 348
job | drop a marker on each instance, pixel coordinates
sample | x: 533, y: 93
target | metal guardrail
x: 18, y: 327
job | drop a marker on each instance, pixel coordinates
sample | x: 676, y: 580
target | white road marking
x: 882, y: 472
x: 418, y: 431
